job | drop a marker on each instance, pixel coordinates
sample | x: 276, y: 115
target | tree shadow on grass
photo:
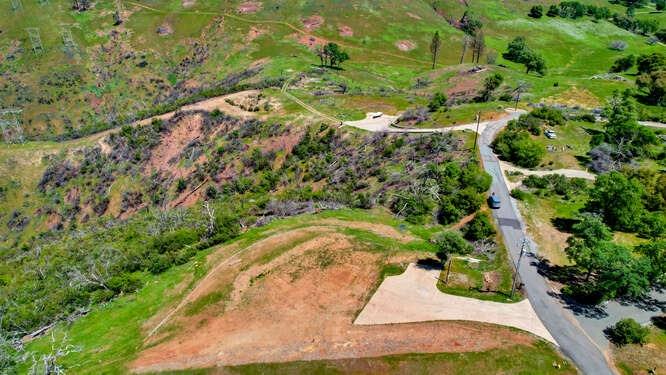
x: 429, y: 264
x: 659, y: 322
x: 564, y: 224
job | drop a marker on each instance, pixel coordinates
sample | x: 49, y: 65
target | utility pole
x: 519, y: 90
x: 525, y: 245
x: 448, y: 271
x: 476, y: 135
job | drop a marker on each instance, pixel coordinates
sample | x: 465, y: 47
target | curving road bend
x: 560, y: 322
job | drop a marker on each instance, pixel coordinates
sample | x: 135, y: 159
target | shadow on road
x: 646, y: 303
x: 568, y: 275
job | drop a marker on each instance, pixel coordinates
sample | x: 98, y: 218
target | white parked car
x: 550, y: 134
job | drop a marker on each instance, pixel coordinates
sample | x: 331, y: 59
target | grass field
x: 537, y: 359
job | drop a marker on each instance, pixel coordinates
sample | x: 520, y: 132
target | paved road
x: 563, y: 326
x: 557, y: 317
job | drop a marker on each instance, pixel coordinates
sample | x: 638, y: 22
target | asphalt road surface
x: 563, y: 326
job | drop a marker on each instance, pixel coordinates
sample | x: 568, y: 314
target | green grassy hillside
x: 126, y: 71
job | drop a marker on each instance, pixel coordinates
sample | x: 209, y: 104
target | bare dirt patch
x: 345, y: 30
x: 188, y: 3
x: 414, y: 16
x: 254, y: 33
x: 491, y: 281
x: 283, y: 142
x: 313, y: 22
x: 405, y: 45
x: 164, y: 29
x: 463, y: 86
x: 172, y: 143
x: 300, y: 306
x: 309, y: 40
x: 379, y: 229
x: 219, y: 102
x: 249, y: 7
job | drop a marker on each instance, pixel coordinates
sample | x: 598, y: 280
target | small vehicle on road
x: 376, y: 114
x: 493, y: 201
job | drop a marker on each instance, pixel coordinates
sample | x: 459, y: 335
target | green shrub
x: 479, y: 228
x: 415, y: 208
x: 627, y: 331
x: 448, y: 212
x: 181, y: 185
x: 438, y: 101
x: 552, y: 116
x: 518, y: 194
x: 175, y: 240
x: 536, y: 11
x: 450, y: 242
x: 517, y: 147
x: 125, y: 283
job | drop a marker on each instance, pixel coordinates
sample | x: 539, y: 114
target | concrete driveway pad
x: 414, y: 297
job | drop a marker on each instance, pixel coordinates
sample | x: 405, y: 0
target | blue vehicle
x: 493, y: 201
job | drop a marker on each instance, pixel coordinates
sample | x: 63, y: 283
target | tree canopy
x: 519, y: 52
x: 331, y: 55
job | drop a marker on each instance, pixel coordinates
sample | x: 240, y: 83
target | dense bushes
x: 517, y: 147
x: 627, y: 331
x: 459, y: 189
x: 515, y: 144
x: 450, y: 242
x: 479, y: 228
x: 556, y: 184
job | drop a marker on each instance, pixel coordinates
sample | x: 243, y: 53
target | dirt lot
x: 294, y: 296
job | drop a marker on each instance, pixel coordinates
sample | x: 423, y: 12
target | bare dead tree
x: 210, y: 222
x: 478, y: 46
x: 94, y: 270
x: 48, y: 364
x: 465, y: 42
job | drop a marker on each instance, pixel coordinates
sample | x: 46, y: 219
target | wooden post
x: 448, y: 271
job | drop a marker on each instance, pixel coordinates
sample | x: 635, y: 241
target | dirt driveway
x: 414, y: 297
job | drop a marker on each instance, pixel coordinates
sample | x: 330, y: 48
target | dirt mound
x: 405, y: 45
x: 188, y: 3
x: 414, y: 16
x: 249, y: 7
x: 313, y: 22
x: 299, y: 304
x: 345, y: 30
